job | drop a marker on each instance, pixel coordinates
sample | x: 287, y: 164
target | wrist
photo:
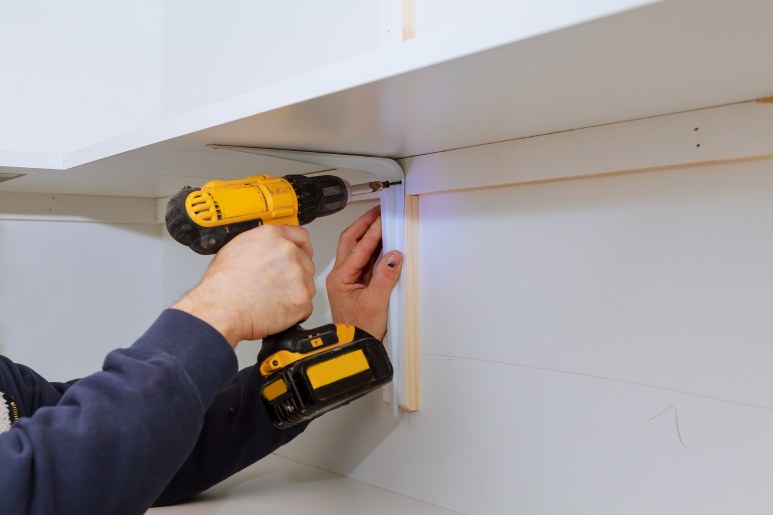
x: 222, y: 320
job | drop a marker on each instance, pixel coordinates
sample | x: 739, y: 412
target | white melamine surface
x: 72, y: 291
x: 662, y: 279
x: 518, y: 71
x: 589, y: 346
x: 729, y: 133
x: 280, y: 485
x: 75, y: 73
x: 214, y: 53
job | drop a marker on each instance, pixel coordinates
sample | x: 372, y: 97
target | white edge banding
x: 393, y: 237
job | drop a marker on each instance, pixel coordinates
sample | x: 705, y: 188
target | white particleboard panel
x: 78, y: 72
x: 495, y: 438
x: 72, y: 291
x: 728, y: 133
x: 215, y: 54
x: 76, y: 208
x: 661, y: 278
x: 526, y: 70
x: 588, y: 346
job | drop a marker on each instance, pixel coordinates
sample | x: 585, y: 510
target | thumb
x: 386, y: 275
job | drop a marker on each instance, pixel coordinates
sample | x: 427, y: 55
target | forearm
x: 116, y: 438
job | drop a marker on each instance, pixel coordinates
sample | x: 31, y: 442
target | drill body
x: 207, y: 218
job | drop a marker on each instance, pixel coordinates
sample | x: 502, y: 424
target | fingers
x: 356, y: 262
x: 299, y: 236
x: 367, y: 273
x: 355, y: 232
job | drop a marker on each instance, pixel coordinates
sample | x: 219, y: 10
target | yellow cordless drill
x: 307, y: 371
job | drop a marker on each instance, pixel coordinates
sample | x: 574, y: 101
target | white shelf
x: 535, y: 69
x: 280, y: 485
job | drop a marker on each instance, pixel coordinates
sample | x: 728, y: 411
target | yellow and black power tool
x: 308, y: 371
x: 207, y: 218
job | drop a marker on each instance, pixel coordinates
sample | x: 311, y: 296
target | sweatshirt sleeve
x: 237, y: 432
x: 114, y: 439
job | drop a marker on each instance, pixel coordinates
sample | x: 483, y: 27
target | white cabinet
x: 513, y: 69
x: 594, y: 183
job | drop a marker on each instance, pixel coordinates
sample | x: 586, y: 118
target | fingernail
x: 393, y: 259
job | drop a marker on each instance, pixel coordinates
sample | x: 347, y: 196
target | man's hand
x: 259, y: 284
x: 358, y: 292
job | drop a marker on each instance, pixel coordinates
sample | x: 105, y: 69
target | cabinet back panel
x: 590, y: 346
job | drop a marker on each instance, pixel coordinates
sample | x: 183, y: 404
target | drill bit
x: 371, y: 187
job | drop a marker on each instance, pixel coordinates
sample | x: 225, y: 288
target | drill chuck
x: 322, y: 195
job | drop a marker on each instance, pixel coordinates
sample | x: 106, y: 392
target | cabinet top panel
x: 529, y: 70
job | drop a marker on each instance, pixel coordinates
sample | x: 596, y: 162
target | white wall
x: 71, y: 291
x: 589, y: 346
x: 78, y: 72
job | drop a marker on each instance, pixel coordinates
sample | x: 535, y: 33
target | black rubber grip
x: 203, y: 240
x: 321, y: 195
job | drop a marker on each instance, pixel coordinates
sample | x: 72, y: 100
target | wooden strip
x: 411, y: 278
x: 409, y: 19
x: 77, y: 208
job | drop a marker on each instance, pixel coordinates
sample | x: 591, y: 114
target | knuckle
x: 344, y: 236
x: 283, y: 248
x: 333, y: 282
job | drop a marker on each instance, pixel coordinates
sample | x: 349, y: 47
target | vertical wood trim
x: 411, y: 278
x: 409, y: 19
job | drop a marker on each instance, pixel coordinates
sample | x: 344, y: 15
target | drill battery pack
x: 310, y: 372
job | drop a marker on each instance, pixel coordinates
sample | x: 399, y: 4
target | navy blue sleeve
x: 237, y: 432
x: 113, y: 441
